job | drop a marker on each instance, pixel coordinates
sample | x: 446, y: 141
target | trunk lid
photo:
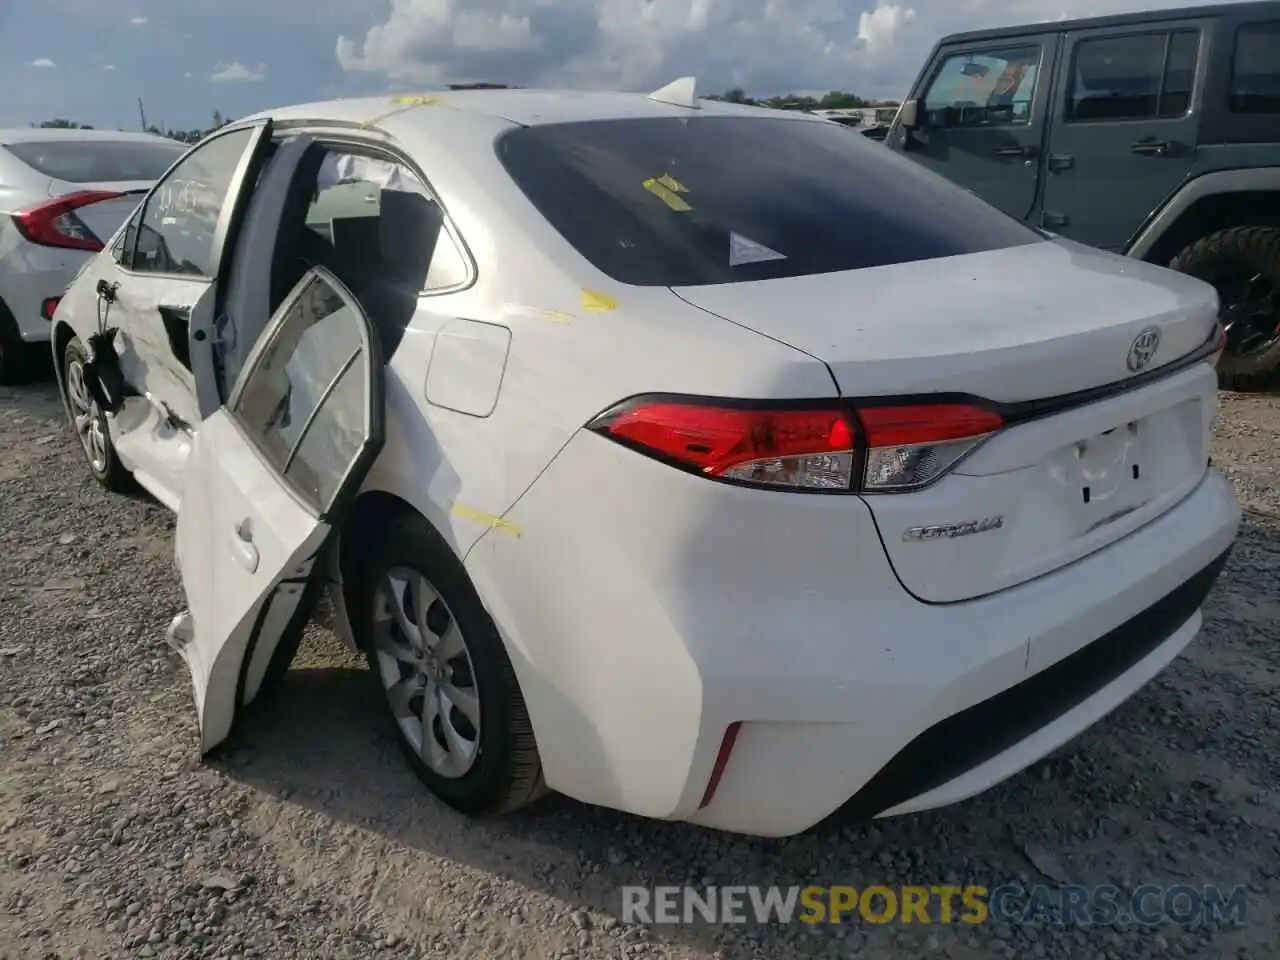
x: 1011, y: 326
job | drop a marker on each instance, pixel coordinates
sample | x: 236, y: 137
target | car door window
x: 303, y: 398
x: 1137, y: 77
x: 983, y: 89
x: 1255, y: 70
x: 176, y: 229
x: 383, y: 224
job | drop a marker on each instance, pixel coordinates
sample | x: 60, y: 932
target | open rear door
x: 267, y: 475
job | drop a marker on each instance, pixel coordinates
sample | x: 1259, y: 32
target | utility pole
x: 142, y: 115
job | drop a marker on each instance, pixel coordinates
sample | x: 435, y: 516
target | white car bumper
x: 648, y: 611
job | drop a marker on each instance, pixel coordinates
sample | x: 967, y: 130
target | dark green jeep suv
x: 1152, y: 134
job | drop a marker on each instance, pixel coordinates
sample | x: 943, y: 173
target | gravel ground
x: 309, y: 837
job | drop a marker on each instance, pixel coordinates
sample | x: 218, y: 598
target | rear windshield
x: 97, y: 161
x: 674, y: 201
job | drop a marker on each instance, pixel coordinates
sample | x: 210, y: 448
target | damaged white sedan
x: 691, y: 459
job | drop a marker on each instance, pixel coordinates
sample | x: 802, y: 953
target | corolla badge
x: 949, y: 531
x: 1143, y: 349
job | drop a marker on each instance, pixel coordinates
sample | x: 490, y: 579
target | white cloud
x: 187, y: 75
x: 137, y: 21
x: 42, y: 62
x: 873, y: 47
x: 237, y: 71
x: 108, y: 66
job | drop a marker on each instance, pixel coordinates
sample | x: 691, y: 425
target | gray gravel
x: 311, y: 839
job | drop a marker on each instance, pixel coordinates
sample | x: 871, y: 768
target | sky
x: 90, y: 60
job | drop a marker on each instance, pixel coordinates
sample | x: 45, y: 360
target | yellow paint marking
x: 417, y: 101
x: 668, y: 189
x: 593, y: 301
x: 403, y: 104
x: 488, y: 519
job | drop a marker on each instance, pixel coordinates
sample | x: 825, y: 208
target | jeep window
x: 676, y: 201
x: 1255, y: 72
x: 986, y: 88
x: 1138, y: 77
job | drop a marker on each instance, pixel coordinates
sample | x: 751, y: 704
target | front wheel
x: 90, y: 422
x: 442, y: 673
x: 1243, y: 264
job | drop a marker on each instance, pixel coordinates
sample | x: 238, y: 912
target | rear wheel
x: 90, y: 422
x: 442, y: 673
x: 1243, y: 264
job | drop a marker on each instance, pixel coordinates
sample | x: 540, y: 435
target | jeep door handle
x: 1014, y: 151
x: 1148, y: 148
x: 242, y: 547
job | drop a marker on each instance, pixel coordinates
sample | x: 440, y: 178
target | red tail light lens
x: 54, y: 223
x: 49, y: 307
x: 827, y: 447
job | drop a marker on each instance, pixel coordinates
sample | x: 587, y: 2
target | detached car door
x: 268, y: 474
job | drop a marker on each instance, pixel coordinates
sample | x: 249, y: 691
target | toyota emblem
x: 1143, y: 349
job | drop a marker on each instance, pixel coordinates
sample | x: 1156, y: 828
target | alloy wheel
x: 426, y: 672
x: 1250, y: 313
x: 89, y: 422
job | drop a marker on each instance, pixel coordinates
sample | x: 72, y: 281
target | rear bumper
x: 647, y: 611
x: 29, y: 275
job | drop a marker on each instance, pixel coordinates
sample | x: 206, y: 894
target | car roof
x: 46, y: 134
x: 522, y: 106
x: 1266, y: 8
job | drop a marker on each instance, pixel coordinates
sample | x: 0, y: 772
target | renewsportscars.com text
x: 1066, y: 905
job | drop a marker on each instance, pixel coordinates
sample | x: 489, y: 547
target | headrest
x: 408, y: 228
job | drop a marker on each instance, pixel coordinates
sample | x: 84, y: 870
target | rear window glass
x: 98, y: 161
x: 674, y: 201
x: 1255, y: 75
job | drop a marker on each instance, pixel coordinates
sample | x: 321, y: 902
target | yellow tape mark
x: 403, y: 104
x: 668, y: 189
x: 593, y: 301
x: 488, y: 519
x: 416, y: 101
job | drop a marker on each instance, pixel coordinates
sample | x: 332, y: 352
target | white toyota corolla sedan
x: 691, y: 459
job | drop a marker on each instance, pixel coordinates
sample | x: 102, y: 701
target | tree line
x: 185, y: 136
x: 832, y: 100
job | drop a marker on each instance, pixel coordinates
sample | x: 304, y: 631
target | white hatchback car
x: 695, y: 460
x: 61, y: 193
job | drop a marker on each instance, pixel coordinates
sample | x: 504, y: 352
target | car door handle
x: 1149, y: 148
x: 1014, y: 151
x: 242, y: 547
x: 1060, y: 161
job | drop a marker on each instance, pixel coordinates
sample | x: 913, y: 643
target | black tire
x: 1227, y: 259
x: 507, y: 771
x: 112, y: 474
x: 20, y: 362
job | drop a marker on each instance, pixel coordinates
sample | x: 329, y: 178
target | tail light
x: 824, y: 447
x: 49, y: 306
x: 54, y: 223
x: 1219, y: 344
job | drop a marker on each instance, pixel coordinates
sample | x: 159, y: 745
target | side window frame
x: 993, y: 50
x: 369, y: 353
x: 376, y: 150
x: 226, y: 213
x: 1269, y: 26
x: 1167, y: 32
